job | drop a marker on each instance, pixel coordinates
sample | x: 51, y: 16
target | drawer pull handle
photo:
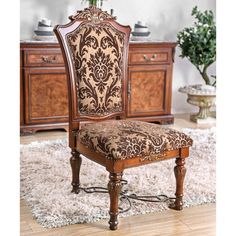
x: 49, y: 59
x: 146, y: 58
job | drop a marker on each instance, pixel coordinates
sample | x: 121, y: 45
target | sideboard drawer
x: 43, y: 58
x: 150, y: 57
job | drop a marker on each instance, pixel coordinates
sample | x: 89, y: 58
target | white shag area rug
x: 46, y: 181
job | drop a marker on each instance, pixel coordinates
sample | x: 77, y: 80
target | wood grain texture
x: 147, y: 92
x: 152, y: 80
x: 21, y: 90
x: 75, y: 162
x: 149, y: 57
x: 44, y: 80
x: 45, y: 96
x: 193, y: 221
x: 43, y: 57
x: 33, y: 128
x: 181, y: 121
x: 180, y: 172
x: 114, y: 188
x: 47, y: 56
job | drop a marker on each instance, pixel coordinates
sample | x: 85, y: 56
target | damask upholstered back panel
x: 97, y: 57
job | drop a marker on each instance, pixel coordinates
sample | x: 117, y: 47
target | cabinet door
x: 149, y: 90
x: 46, y: 99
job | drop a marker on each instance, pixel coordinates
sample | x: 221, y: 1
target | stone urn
x: 203, y: 96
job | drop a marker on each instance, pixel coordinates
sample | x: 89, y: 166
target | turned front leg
x: 75, y: 162
x: 114, y: 188
x: 180, y: 172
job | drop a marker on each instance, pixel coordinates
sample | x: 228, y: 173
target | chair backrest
x: 95, y: 50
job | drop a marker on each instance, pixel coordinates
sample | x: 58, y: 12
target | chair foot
x: 75, y: 162
x: 75, y: 189
x: 113, y: 222
x: 177, y: 205
x: 114, y: 188
x: 180, y: 172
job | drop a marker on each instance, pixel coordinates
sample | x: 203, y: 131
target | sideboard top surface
x: 35, y: 43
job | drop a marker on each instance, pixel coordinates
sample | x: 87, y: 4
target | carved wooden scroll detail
x: 93, y: 14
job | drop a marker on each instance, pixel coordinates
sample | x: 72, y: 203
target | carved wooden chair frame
x: 117, y: 167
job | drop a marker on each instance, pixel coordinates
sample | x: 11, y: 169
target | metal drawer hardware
x: 146, y: 58
x: 49, y: 59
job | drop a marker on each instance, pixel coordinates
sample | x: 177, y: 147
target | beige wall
x: 164, y: 17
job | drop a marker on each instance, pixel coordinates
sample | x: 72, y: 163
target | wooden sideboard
x: 43, y: 85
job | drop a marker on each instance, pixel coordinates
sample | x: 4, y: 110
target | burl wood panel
x: 46, y: 96
x: 45, y: 59
x: 147, y: 92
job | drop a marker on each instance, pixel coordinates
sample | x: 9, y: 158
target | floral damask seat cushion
x: 119, y: 140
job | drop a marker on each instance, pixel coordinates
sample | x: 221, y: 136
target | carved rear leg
x: 114, y: 188
x: 180, y: 172
x: 75, y: 162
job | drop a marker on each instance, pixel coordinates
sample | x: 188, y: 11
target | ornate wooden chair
x: 95, y: 50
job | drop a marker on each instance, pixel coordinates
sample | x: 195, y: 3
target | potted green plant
x: 198, y: 45
x: 95, y: 3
